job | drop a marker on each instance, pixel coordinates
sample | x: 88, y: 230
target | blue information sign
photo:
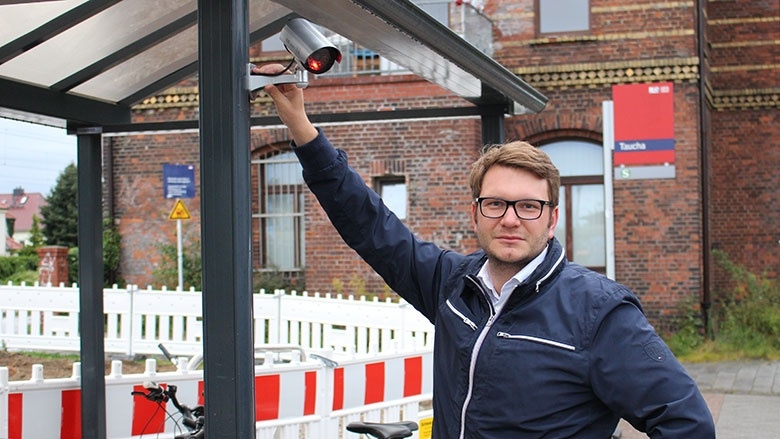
x: 178, y: 181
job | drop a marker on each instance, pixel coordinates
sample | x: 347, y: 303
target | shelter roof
x: 88, y: 62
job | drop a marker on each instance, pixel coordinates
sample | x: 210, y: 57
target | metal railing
x: 463, y: 18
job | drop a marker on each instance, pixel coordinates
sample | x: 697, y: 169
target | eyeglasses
x: 524, y: 209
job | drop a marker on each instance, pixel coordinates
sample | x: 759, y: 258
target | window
x: 279, y: 213
x: 393, y: 193
x: 581, y: 221
x: 563, y: 16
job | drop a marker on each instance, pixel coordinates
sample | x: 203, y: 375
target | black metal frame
x: 224, y: 127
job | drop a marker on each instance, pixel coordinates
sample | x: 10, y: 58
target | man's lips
x: 510, y: 239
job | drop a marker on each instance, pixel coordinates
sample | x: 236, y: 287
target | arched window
x: 581, y: 224
x: 278, y: 213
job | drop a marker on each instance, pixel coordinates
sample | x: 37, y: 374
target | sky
x: 32, y: 156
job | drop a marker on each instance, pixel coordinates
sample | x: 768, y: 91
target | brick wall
x: 745, y: 152
x: 140, y: 209
x: 659, y: 240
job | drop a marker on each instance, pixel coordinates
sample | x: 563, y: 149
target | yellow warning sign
x: 426, y: 428
x: 179, y: 212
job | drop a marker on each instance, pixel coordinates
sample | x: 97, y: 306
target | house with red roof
x: 17, y: 210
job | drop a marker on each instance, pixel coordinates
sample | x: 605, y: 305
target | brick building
x: 723, y: 66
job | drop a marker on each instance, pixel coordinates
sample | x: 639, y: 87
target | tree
x: 36, y: 239
x: 112, y: 252
x: 60, y: 216
x: 36, y: 234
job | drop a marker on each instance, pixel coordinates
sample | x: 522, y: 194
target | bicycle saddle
x: 390, y: 430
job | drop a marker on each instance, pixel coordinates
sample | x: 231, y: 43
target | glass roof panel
x: 263, y: 12
x: 94, y: 39
x: 19, y: 19
x: 376, y: 34
x: 164, y: 58
x: 148, y: 66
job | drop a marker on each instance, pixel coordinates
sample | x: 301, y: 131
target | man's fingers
x: 269, y: 69
x: 273, y: 91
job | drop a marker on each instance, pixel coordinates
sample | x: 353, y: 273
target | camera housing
x: 311, y: 52
x: 309, y: 47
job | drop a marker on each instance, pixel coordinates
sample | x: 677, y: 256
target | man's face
x: 509, y: 240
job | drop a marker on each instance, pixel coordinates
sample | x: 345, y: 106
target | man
x: 527, y: 345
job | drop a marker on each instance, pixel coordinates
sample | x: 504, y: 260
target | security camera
x: 311, y: 52
x: 310, y: 48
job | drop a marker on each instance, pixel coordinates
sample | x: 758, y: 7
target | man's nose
x: 510, y: 217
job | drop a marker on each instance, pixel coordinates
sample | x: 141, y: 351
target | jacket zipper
x: 483, y: 334
x: 537, y: 340
x: 475, y: 354
x: 465, y: 319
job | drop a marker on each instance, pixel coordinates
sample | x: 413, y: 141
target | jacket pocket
x: 533, y: 339
x: 461, y: 316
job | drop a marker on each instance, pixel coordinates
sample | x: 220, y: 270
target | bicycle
x: 388, y: 430
x: 193, y: 419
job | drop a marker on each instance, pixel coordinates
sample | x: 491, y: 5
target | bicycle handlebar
x: 192, y: 417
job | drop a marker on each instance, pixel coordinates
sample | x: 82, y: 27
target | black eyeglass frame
x: 512, y: 203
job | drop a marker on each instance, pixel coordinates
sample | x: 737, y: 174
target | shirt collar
x: 512, y: 283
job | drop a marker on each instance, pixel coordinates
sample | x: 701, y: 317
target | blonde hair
x: 519, y: 155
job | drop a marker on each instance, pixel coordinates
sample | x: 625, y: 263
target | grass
x: 712, y: 351
x: 744, y: 321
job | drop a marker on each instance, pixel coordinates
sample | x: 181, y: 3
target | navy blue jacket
x: 570, y: 353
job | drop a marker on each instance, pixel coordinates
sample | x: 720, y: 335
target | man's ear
x: 474, y: 216
x: 554, y: 212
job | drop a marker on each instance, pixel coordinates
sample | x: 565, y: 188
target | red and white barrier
x: 287, y: 397
x: 358, y: 383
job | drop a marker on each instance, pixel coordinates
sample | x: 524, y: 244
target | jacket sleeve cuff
x: 317, y: 154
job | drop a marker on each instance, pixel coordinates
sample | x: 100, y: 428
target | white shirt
x: 500, y: 298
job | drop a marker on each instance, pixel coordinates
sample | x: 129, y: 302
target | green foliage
x: 112, y: 252
x: 60, y: 215
x: 744, y: 320
x: 270, y: 281
x: 36, y: 234
x: 690, y: 328
x: 357, y: 285
x: 29, y: 277
x: 111, y: 258
x: 11, y: 265
x: 747, y: 316
x: 338, y: 285
x: 167, y: 272
x: 36, y: 240
x: 73, y: 265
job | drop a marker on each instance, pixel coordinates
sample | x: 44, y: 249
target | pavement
x: 743, y: 396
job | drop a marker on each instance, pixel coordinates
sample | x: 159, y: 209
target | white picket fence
x: 36, y: 318
x: 381, y: 369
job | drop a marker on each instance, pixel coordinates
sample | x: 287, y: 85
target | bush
x: 690, y: 328
x: 167, y: 273
x: 111, y: 258
x: 271, y: 281
x: 10, y: 265
x: 29, y: 277
x: 747, y: 317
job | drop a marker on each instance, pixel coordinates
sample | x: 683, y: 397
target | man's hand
x: 288, y: 99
